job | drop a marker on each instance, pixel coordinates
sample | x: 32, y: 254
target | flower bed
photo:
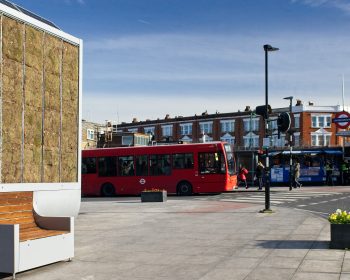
x: 340, y: 230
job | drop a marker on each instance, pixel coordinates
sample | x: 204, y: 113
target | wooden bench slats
x: 20, y: 221
x: 12, y: 195
x: 15, y: 215
x: 17, y: 208
x: 15, y: 201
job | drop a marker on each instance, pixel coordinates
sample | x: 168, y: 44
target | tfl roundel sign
x: 342, y: 119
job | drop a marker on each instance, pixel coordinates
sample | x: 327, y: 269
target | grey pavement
x: 122, y: 238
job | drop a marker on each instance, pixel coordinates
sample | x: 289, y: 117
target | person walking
x: 329, y: 173
x: 242, y: 176
x: 296, y: 175
x: 343, y: 172
x: 260, y: 169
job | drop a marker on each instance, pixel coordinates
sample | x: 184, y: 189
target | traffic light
x: 283, y: 122
x: 261, y: 110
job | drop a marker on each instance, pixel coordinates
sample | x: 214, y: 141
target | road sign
x: 342, y: 119
x: 345, y: 133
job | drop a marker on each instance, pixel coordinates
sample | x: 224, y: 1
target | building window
x: 167, y: 130
x: 186, y: 129
x: 296, y: 121
x: 206, y: 127
x: 149, y: 130
x: 227, y: 126
x: 296, y: 139
x: 141, y: 140
x: 127, y: 140
x: 273, y: 124
x: 228, y: 138
x: 251, y: 140
x: 321, y: 121
x: 320, y: 139
x: 278, y: 142
x: 134, y: 130
x: 205, y: 138
x: 251, y: 124
x: 90, y: 134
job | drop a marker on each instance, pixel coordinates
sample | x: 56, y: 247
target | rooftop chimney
x: 247, y: 109
x: 299, y: 102
x: 134, y: 120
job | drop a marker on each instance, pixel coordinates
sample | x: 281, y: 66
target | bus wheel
x: 184, y: 188
x: 107, y: 189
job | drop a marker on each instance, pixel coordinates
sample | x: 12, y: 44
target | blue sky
x: 149, y: 58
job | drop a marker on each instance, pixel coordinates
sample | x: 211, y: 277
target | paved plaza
x: 191, y: 239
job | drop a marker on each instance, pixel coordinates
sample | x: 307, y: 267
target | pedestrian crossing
x: 276, y: 198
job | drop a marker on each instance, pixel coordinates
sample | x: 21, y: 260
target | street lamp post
x: 290, y: 98
x: 252, y: 114
x: 267, y: 48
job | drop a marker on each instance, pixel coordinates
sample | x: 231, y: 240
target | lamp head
x: 269, y: 48
x: 288, y: 98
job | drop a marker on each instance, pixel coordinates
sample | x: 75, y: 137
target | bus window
x: 88, y: 165
x: 107, y: 166
x: 182, y: 161
x: 160, y: 165
x: 126, y: 166
x: 141, y: 166
x: 211, y: 163
x: 230, y: 159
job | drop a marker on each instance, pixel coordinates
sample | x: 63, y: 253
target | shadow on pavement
x: 293, y: 244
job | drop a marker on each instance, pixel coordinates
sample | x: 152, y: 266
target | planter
x: 156, y: 196
x: 340, y: 236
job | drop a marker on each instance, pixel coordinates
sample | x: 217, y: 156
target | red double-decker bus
x: 182, y: 168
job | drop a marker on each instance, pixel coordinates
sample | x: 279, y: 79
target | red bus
x: 183, y: 169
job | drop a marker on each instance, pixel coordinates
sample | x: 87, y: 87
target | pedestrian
x: 260, y: 169
x: 343, y: 172
x: 242, y: 176
x: 329, y: 173
x: 296, y: 175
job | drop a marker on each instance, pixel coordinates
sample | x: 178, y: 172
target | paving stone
x: 321, y: 266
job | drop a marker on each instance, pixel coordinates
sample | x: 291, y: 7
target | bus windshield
x: 230, y: 159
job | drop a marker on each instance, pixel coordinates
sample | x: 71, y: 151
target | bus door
x: 88, y: 175
x: 128, y: 180
x: 142, y: 175
x: 212, y: 172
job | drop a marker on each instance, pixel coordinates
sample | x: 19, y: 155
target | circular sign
x: 345, y: 116
x: 142, y: 181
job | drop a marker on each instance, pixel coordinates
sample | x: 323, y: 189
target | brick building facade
x: 312, y: 126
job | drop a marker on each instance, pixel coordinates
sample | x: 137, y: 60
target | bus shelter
x: 312, y: 165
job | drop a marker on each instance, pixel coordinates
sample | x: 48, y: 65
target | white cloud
x: 69, y: 2
x: 343, y: 5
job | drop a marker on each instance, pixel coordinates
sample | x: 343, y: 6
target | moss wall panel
x: 33, y: 93
x: 51, y: 167
x: 52, y: 108
x: 32, y: 157
x: 34, y: 48
x: 12, y: 39
x: 11, y: 172
x: 70, y: 99
x: 12, y: 100
x: 40, y: 95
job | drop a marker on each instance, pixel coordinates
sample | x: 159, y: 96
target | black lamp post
x: 290, y: 98
x: 267, y: 48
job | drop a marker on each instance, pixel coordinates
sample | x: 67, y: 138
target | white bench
x: 28, y: 240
